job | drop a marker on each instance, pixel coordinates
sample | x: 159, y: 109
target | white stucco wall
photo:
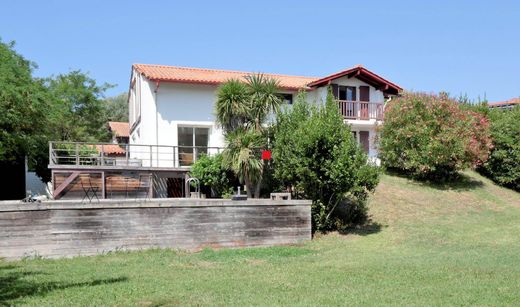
x: 144, y: 129
x: 186, y: 102
x: 186, y: 105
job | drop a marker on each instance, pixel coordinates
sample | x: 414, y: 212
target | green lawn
x: 427, y: 245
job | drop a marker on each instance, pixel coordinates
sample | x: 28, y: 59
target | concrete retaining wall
x: 70, y: 228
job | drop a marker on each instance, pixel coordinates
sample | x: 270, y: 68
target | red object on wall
x: 266, y: 155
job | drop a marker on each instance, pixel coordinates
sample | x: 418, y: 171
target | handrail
x: 361, y: 110
x: 126, y: 155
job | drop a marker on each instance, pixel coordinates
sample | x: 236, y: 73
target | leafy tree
x: 480, y: 105
x: 432, y: 137
x: 116, y: 108
x: 78, y: 112
x: 24, y: 103
x: 316, y: 156
x: 35, y: 111
x: 214, y: 177
x: 503, y: 165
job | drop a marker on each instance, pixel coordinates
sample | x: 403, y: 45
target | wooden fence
x: 69, y: 228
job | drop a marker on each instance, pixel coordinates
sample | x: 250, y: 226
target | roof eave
x: 216, y: 83
x: 389, y: 87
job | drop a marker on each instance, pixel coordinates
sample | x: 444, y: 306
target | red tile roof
x: 505, y: 103
x: 121, y: 129
x: 212, y: 76
x: 111, y: 149
x: 362, y: 74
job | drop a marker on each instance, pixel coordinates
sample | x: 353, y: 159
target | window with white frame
x: 193, y: 141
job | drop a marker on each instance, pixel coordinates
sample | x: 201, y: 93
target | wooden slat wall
x: 73, y: 231
x: 118, y: 185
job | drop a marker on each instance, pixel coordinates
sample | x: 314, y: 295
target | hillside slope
x: 426, y: 245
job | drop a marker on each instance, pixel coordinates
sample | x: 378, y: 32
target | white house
x: 174, y: 106
x: 507, y: 105
x: 171, y: 113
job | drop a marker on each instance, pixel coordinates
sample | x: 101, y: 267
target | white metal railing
x: 127, y: 155
x: 361, y: 110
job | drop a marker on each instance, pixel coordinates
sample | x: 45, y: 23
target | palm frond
x: 231, y: 107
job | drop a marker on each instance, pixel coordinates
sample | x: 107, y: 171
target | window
x: 347, y: 93
x: 134, y: 100
x: 364, y: 140
x: 192, y: 142
x: 287, y: 98
x: 131, y: 101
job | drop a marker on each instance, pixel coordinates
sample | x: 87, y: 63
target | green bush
x: 432, y: 137
x: 215, y: 179
x: 503, y: 165
x: 316, y: 157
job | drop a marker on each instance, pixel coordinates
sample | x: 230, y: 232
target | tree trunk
x: 257, y: 124
x: 248, y: 186
x: 257, y: 188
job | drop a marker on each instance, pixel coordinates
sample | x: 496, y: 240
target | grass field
x: 426, y: 245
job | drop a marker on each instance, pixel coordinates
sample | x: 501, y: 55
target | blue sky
x: 468, y: 47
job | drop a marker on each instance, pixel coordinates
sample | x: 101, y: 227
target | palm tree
x: 241, y: 110
x: 264, y: 97
x: 232, y: 106
x: 240, y: 156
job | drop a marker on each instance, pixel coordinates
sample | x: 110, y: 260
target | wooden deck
x: 112, y: 173
x: 73, y: 184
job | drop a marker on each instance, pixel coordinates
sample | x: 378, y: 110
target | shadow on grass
x: 461, y: 182
x: 363, y: 230
x: 14, y: 284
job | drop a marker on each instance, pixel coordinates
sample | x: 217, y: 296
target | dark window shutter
x: 363, y: 139
x: 334, y: 88
x: 364, y: 93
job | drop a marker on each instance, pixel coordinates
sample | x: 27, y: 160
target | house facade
x: 507, y: 105
x: 172, y: 122
x: 174, y: 106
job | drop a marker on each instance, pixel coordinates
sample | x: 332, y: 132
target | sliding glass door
x: 193, y: 141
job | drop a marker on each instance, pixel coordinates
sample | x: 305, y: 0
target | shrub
x: 315, y: 155
x: 431, y: 137
x: 215, y: 179
x: 503, y: 165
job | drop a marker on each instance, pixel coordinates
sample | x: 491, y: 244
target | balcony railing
x: 361, y: 110
x: 125, y: 155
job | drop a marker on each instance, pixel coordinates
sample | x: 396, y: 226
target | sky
x: 462, y: 47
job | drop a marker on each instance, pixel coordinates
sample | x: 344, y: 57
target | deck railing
x: 361, y: 110
x: 126, y: 155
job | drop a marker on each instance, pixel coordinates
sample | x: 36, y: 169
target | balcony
x: 361, y: 110
x: 76, y: 155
